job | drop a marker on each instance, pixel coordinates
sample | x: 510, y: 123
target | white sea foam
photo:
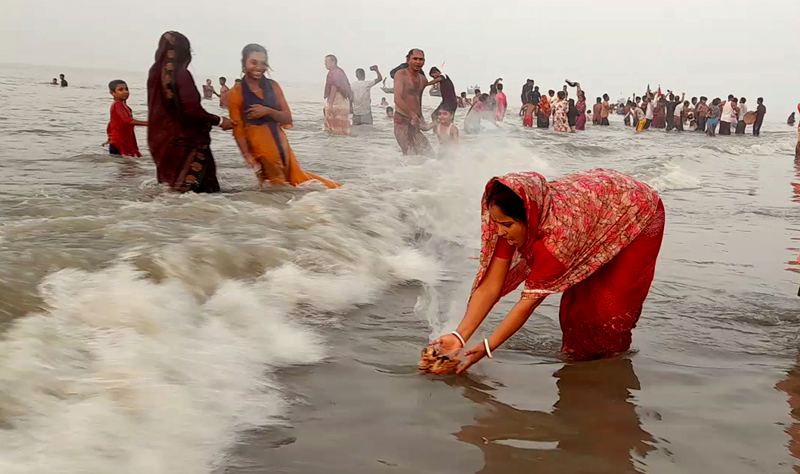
x: 669, y: 177
x: 122, y: 374
x: 159, y: 362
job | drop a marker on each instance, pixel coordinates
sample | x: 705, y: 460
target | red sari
x: 595, y: 236
x: 178, y: 131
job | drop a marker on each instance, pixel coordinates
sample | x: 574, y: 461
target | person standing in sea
x: 672, y: 104
x: 580, y: 121
x: 649, y: 111
x: 597, y: 111
x: 501, y: 102
x: 761, y: 111
x: 725, y: 118
x: 544, y: 111
x: 362, y: 100
x: 338, y: 98
x: 527, y: 88
x: 740, y: 125
x: 712, y: 118
x: 179, y: 129
x: 409, y: 84
x: 700, y: 114
x: 261, y: 114
x: 448, y: 90
x: 208, y: 90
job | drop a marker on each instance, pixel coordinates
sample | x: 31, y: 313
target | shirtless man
x: 409, y: 85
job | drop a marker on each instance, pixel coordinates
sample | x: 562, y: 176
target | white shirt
x: 362, y: 102
x: 727, y: 112
x: 649, y: 114
x: 742, y: 111
x: 678, y: 110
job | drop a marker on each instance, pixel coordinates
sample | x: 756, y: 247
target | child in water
x: 389, y: 112
x: 445, y: 129
x: 121, y: 138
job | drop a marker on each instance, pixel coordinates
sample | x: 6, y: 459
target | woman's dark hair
x: 507, y: 200
x: 560, y: 95
x: 253, y: 48
x: 182, y: 49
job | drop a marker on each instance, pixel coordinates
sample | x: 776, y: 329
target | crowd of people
x: 179, y: 139
x: 673, y: 112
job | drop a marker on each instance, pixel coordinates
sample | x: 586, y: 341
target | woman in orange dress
x: 260, y: 111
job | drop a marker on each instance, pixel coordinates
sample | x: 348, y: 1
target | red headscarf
x: 585, y: 219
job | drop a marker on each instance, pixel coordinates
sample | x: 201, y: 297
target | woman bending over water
x: 594, y: 236
x: 261, y: 113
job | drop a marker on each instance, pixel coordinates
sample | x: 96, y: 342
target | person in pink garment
x: 502, y: 101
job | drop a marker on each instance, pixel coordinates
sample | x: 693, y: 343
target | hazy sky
x: 712, y: 47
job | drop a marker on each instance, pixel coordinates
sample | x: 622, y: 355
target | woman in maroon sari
x: 179, y: 138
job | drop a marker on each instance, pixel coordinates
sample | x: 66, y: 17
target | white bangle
x: 488, y: 351
x: 463, y: 342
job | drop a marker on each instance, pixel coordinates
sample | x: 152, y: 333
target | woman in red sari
x: 179, y: 132
x: 594, y: 236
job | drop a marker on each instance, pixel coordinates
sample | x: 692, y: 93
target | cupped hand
x: 227, y: 124
x: 448, y: 344
x: 257, y: 111
x: 471, y: 357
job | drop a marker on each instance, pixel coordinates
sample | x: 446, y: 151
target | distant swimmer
x: 790, y: 121
x: 409, y: 84
x: 121, y: 137
x: 55, y: 81
x: 389, y: 112
x: 224, y: 92
x: 384, y: 104
x: 64, y: 82
x: 362, y: 102
x: 208, y: 90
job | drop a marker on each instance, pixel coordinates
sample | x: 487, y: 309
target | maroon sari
x: 178, y: 131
